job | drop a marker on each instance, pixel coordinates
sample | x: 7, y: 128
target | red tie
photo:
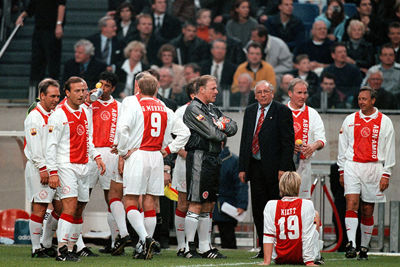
x: 255, y: 146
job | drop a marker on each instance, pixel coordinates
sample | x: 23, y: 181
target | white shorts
x: 144, y: 173
x: 35, y: 191
x: 118, y: 179
x: 111, y: 162
x: 179, y: 175
x: 74, y: 181
x: 364, y: 179
x: 304, y: 170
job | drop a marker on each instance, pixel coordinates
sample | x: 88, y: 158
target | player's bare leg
x: 180, y: 214
x: 35, y: 228
x: 351, y: 220
x: 367, y: 225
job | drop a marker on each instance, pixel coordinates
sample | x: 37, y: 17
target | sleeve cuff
x: 168, y: 150
x: 341, y: 172
x: 97, y: 157
x: 268, y: 238
x: 386, y: 175
x: 323, y: 143
x: 43, y: 169
x: 53, y: 172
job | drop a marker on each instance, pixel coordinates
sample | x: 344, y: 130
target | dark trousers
x: 263, y: 189
x: 227, y: 234
x: 46, y: 53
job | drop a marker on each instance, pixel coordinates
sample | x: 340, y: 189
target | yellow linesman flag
x: 170, y: 192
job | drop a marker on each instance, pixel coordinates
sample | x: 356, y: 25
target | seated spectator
x: 166, y: 79
x: 151, y: 40
x: 183, y: 10
x: 203, y: 19
x: 303, y: 70
x: 245, y: 95
x: 390, y: 70
x: 374, y: 32
x: 241, y: 24
x: 139, y: 6
x: 394, y: 36
x: 167, y: 55
x: 267, y: 8
x: 360, y: 52
x: 257, y: 68
x: 126, y: 24
x: 231, y: 191
x: 108, y: 49
x: 384, y: 99
x: 133, y: 64
x: 348, y: 76
x: 334, y: 97
x: 281, y: 94
x: 191, y: 71
x: 317, y: 48
x: 219, y: 66
x: 83, y: 64
x: 275, y: 51
x: 234, y: 51
x: 189, y: 47
x: 165, y: 25
x: 285, y: 25
x: 335, y: 19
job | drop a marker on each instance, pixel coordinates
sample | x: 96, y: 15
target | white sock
x: 64, y: 228
x: 136, y: 220
x: 35, y: 229
x: 118, y: 211
x: 77, y: 238
x: 150, y: 221
x: 113, y: 227
x: 366, y: 227
x: 203, y: 231
x: 210, y: 230
x: 191, y: 223
x: 351, y: 221
x: 180, y: 228
x: 49, y: 228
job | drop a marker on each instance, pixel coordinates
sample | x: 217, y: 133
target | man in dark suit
x: 219, y: 67
x: 83, y: 64
x: 165, y: 25
x: 108, y: 48
x: 266, y: 150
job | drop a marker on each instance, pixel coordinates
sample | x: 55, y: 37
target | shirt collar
x: 42, y: 109
x: 71, y: 109
x: 300, y: 109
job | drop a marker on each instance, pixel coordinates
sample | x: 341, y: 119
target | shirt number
x: 155, y: 124
x: 291, y: 227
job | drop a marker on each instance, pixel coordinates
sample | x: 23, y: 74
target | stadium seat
x: 307, y: 14
x: 350, y: 9
x: 7, y: 221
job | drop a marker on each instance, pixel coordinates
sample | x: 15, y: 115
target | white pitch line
x: 384, y: 254
x: 220, y: 264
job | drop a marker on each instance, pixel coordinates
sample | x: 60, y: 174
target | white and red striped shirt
x: 289, y: 225
x: 144, y: 124
x: 308, y: 125
x: 367, y: 139
x: 35, y: 127
x: 69, y: 137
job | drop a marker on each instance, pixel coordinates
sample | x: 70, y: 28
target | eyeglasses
x: 264, y: 92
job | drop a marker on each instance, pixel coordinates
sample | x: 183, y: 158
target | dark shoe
x: 213, y: 254
x: 350, y: 251
x: 151, y: 245
x: 86, y: 252
x: 139, y: 255
x: 106, y: 250
x: 66, y: 255
x: 140, y: 251
x: 39, y: 253
x: 363, y: 254
x: 320, y: 261
x: 119, y: 245
x: 192, y: 253
x: 181, y: 252
x: 259, y: 255
x: 51, y: 251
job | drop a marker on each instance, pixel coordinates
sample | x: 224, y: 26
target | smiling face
x: 365, y: 102
x: 50, y: 99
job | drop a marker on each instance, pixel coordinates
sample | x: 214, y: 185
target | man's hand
x: 384, y: 183
x: 341, y: 179
x: 20, y: 19
x: 127, y: 155
x: 297, y: 148
x: 44, y: 177
x: 59, y: 31
x: 308, y: 149
x: 121, y: 163
x: 54, y: 181
x: 263, y: 18
x: 163, y: 153
x: 242, y: 177
x: 182, y: 153
x: 101, y: 166
x: 240, y: 211
x: 114, y: 149
x: 280, y: 173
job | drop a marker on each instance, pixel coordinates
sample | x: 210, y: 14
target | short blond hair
x: 354, y: 23
x: 148, y: 85
x: 289, y: 184
x: 134, y: 45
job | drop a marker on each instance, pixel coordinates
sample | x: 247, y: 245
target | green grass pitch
x: 20, y: 256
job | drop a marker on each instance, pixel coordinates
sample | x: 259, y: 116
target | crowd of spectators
x: 263, y: 39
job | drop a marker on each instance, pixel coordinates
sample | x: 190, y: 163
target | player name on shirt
x: 153, y: 108
x: 366, y: 136
x: 301, y: 125
x: 287, y: 212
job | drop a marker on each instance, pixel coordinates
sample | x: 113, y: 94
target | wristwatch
x: 167, y: 171
x: 59, y: 22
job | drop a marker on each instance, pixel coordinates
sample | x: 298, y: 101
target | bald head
x: 319, y: 31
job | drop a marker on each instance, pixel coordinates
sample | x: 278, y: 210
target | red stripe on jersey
x: 104, y: 123
x: 45, y: 116
x: 155, y: 122
x: 301, y: 126
x: 288, y: 225
x: 366, y: 136
x: 78, y: 136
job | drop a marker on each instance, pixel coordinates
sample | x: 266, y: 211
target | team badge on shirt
x: 105, y: 115
x: 200, y: 117
x: 51, y: 128
x: 33, y: 131
x: 205, y: 194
